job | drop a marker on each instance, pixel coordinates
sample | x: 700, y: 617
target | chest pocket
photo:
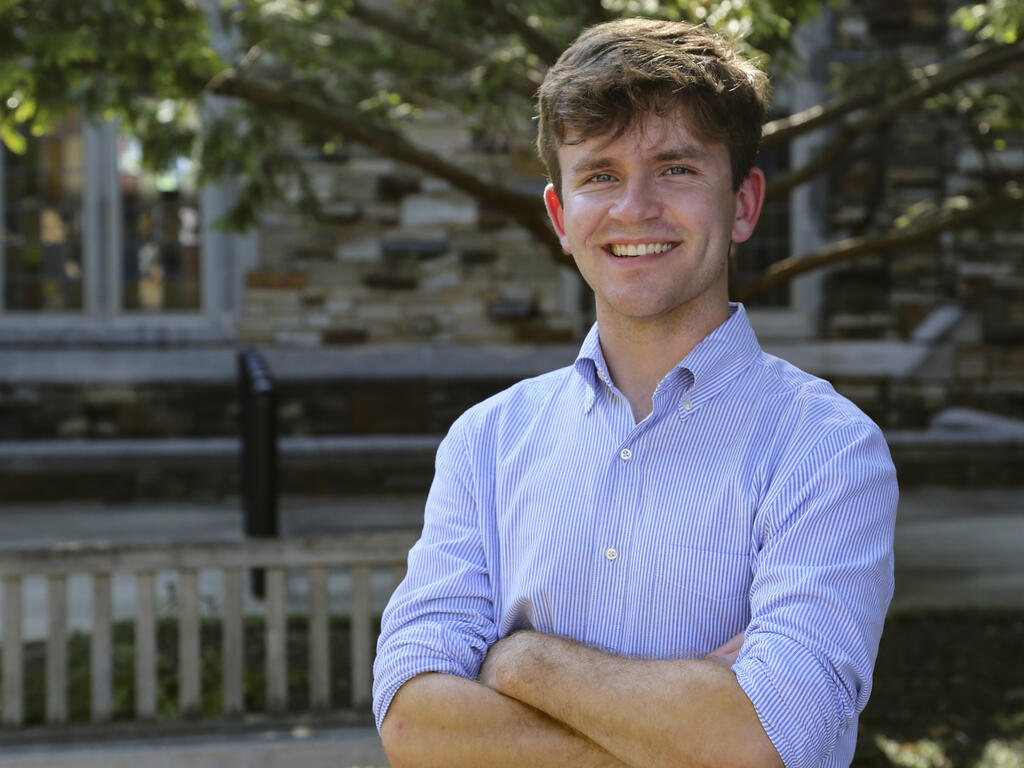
x: 718, y: 576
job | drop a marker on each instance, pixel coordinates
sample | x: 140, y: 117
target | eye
x: 678, y: 170
x: 600, y: 178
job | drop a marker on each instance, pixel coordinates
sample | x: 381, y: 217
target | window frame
x: 802, y: 318
x: 102, y: 318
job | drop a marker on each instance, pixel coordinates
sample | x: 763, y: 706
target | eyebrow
x: 589, y: 164
x: 684, y: 152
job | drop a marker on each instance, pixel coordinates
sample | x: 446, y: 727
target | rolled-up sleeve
x: 822, y: 582
x: 441, y: 617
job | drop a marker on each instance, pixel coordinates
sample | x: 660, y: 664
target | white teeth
x: 640, y: 250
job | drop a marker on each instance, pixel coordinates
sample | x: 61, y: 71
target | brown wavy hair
x: 618, y: 71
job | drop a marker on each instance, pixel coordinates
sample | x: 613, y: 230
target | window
x: 160, y: 266
x: 93, y: 239
x: 42, y: 223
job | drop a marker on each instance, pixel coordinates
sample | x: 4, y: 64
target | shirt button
x: 625, y: 454
x: 687, y: 406
x: 611, y: 553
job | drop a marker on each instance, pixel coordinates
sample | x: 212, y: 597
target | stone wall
x: 400, y: 256
x: 328, y: 406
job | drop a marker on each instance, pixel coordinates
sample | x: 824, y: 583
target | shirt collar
x: 722, y: 354
x: 591, y: 366
x: 710, y: 366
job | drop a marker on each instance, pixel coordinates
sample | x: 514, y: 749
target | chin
x: 644, y: 311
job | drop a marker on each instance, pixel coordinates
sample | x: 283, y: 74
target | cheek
x: 576, y: 228
x: 717, y: 221
x: 585, y: 271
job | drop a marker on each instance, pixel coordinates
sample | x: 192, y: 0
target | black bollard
x: 258, y: 427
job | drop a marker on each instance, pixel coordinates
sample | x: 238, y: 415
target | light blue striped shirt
x: 753, y: 497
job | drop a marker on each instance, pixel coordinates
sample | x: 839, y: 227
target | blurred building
x: 121, y: 305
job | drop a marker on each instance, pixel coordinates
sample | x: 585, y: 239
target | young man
x: 678, y: 550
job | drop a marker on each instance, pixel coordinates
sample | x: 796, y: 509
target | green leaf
x: 12, y: 139
x: 26, y: 110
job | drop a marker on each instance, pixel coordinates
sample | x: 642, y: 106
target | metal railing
x: 258, y: 428
x: 359, y: 553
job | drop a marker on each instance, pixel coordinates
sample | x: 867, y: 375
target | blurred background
x: 349, y: 189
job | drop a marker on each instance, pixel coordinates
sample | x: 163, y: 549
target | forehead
x: 648, y: 136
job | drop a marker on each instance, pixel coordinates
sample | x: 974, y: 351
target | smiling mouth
x: 632, y: 250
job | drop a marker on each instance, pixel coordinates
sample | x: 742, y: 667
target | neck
x: 639, y: 352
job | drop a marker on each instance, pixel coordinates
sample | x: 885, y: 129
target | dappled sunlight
x: 929, y: 753
x: 1002, y: 754
x: 925, y: 753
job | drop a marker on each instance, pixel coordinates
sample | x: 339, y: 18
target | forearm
x: 438, y: 720
x: 648, y: 713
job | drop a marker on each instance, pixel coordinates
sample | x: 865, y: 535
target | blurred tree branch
x: 271, y: 95
x: 446, y: 45
x: 543, y: 47
x: 935, y: 79
x: 1007, y: 199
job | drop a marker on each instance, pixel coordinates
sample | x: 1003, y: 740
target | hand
x: 727, y: 652
x: 498, y: 659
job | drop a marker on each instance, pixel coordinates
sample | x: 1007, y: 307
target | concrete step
x: 208, y: 468
x: 204, y: 468
x: 192, y: 392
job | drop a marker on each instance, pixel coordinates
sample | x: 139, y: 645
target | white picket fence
x: 360, y: 553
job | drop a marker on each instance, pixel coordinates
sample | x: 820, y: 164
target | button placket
x: 609, y: 564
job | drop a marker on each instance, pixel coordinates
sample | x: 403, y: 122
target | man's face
x: 649, y: 218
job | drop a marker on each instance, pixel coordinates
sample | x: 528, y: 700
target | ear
x: 557, y: 215
x: 749, y: 199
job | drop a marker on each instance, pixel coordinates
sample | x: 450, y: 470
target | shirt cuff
x: 385, y: 690
x: 797, y: 707
x: 413, y: 655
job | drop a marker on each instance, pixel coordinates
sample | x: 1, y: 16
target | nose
x: 638, y: 201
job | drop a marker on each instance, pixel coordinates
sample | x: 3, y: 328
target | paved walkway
x: 959, y: 547
x: 336, y: 748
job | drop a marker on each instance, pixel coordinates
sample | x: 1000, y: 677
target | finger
x: 732, y: 645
